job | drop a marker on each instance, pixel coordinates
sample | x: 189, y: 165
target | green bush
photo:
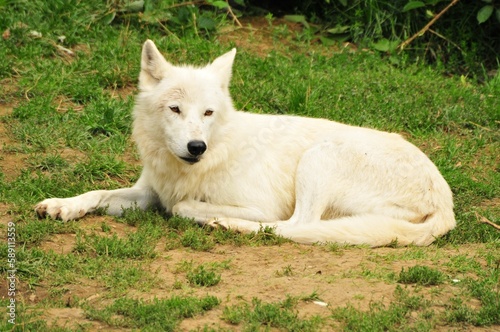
x: 421, y: 275
x: 463, y: 40
x: 202, y: 276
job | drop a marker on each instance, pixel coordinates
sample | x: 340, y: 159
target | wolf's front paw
x: 236, y: 225
x: 64, y: 209
x: 218, y: 223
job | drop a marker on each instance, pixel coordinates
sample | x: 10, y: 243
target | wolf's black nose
x: 196, y: 148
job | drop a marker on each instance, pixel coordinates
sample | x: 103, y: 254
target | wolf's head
x: 182, y: 107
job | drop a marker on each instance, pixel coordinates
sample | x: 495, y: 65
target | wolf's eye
x: 175, y: 109
x: 209, y: 112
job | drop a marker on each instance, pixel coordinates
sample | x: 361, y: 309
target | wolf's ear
x: 153, y: 66
x: 223, y: 66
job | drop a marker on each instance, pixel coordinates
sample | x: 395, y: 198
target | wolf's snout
x: 196, y: 148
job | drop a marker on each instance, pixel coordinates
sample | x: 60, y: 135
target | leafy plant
x: 275, y: 315
x: 486, y: 290
x: 455, y: 41
x: 197, y: 239
x: 485, y: 12
x: 421, y: 275
x: 179, y: 17
x: 381, y: 317
x: 203, y: 276
x: 136, y: 245
x: 156, y: 315
x: 285, y: 271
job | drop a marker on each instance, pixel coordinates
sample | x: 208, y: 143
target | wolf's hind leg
x: 315, y: 190
x: 316, y: 182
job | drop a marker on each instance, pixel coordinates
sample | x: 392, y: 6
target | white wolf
x: 313, y: 180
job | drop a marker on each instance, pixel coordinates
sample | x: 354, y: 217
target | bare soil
x: 339, y: 278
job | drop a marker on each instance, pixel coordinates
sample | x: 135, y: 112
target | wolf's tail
x: 370, y: 229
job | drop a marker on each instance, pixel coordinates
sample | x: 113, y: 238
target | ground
x: 323, y: 277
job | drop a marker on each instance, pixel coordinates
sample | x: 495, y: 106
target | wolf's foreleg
x: 204, y: 213
x: 114, y: 201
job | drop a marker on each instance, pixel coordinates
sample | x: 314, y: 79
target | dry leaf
x: 6, y: 34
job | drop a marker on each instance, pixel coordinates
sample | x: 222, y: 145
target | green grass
x: 257, y: 314
x: 421, y: 275
x: 137, y: 245
x: 202, y: 276
x: 68, y: 131
x: 394, y: 317
x: 156, y: 315
x: 485, y: 289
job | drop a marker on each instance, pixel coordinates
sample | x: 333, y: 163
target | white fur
x: 313, y: 180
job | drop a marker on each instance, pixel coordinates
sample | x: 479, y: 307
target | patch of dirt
x: 269, y: 273
x: 73, y: 319
x: 9, y: 159
x: 123, y: 92
x: 10, y: 164
x: 60, y: 243
x: 5, y: 109
x: 63, y: 104
x: 9, y: 88
x: 4, y: 214
x: 71, y: 155
x: 64, y: 243
x: 257, y: 272
x: 494, y: 202
x: 256, y: 35
x: 96, y: 222
x: 260, y: 36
